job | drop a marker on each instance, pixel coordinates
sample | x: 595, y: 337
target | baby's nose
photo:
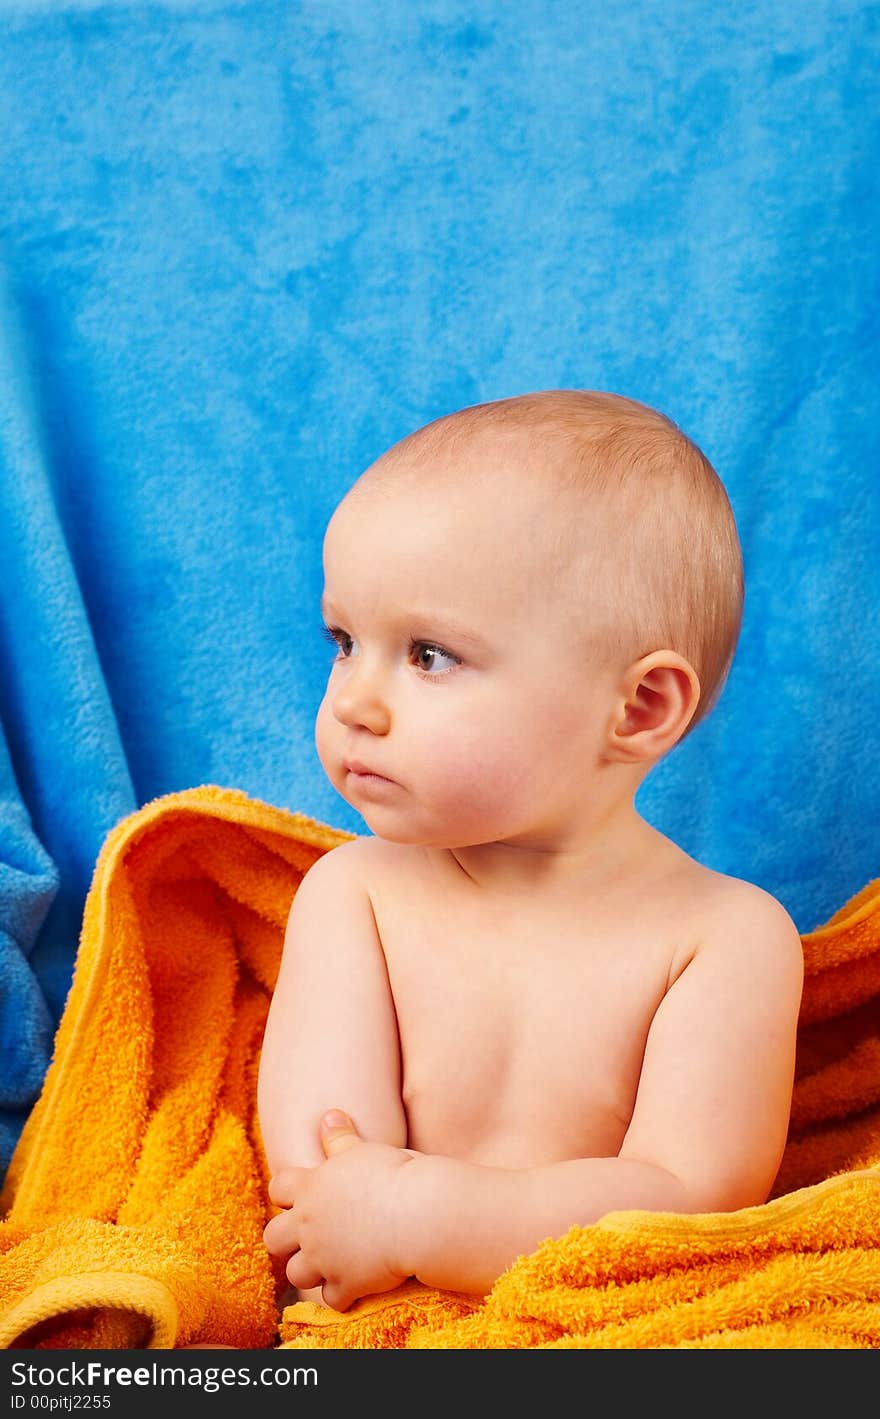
x: 363, y: 700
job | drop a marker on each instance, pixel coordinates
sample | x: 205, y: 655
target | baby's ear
x: 661, y: 700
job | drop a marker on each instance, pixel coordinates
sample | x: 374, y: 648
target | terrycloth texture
x: 246, y: 247
x: 137, y: 1196
x: 799, y: 1273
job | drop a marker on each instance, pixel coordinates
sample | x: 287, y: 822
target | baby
x: 531, y: 1006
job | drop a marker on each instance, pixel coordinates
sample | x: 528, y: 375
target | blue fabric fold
x: 28, y: 886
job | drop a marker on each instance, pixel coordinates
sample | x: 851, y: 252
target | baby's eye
x: 336, y: 637
x: 426, y: 657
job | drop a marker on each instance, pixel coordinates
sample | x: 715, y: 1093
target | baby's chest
x: 512, y: 1055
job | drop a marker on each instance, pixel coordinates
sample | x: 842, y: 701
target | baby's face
x: 457, y: 676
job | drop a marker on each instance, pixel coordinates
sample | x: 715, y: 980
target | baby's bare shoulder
x: 740, y: 918
x: 339, y: 868
x: 727, y: 897
x: 371, y: 860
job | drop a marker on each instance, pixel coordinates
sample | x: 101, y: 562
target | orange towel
x: 137, y: 1195
x: 134, y: 1205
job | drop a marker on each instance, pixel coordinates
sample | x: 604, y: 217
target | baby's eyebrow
x: 443, y: 623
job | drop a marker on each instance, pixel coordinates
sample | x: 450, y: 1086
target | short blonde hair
x: 665, y: 570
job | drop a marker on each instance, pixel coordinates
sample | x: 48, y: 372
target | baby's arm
x: 707, y: 1133
x: 331, y: 1035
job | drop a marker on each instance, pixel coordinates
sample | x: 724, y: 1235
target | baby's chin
x: 437, y: 839
x: 394, y: 822
x: 401, y: 838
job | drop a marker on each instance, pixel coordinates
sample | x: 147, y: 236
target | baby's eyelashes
x: 333, y: 635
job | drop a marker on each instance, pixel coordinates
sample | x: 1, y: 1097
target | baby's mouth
x: 360, y: 772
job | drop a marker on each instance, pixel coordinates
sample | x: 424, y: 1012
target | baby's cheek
x: 325, y: 740
x: 473, y: 780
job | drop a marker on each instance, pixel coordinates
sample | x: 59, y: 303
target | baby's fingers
x: 281, y: 1234
x: 284, y: 1187
x: 302, y: 1274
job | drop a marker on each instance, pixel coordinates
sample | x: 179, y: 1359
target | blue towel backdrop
x: 246, y: 247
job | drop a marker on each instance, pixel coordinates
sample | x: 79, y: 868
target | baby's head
x: 534, y: 600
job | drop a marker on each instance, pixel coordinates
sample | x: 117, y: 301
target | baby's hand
x: 340, y: 1229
